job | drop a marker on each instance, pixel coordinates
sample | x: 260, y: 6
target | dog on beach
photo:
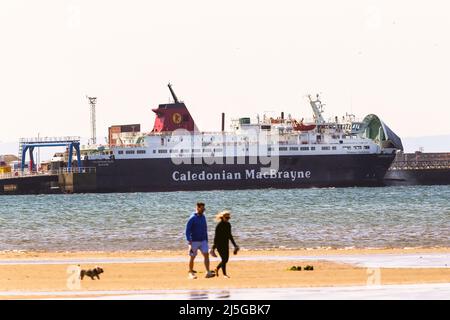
x: 91, y: 273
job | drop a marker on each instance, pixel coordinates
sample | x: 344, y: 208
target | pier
x: 26, y: 182
x: 419, y: 169
x: 72, y: 178
x: 64, y: 180
x: 420, y: 165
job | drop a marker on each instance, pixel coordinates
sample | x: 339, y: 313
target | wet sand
x: 256, y: 272
x: 243, y: 252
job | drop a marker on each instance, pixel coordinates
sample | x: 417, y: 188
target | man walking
x: 197, y: 237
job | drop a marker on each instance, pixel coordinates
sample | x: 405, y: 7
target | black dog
x: 91, y: 273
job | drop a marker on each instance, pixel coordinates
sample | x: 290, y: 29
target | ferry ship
x: 271, y: 152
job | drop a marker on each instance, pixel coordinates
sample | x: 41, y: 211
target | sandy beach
x: 167, y: 270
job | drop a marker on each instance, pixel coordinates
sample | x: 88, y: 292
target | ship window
x: 141, y: 151
x: 333, y: 148
x: 293, y: 148
x: 154, y: 151
x: 325, y: 148
x: 346, y: 147
x: 129, y: 152
x: 313, y: 148
x: 120, y: 152
x: 304, y: 148
x: 366, y: 147
x: 162, y: 151
x: 282, y: 148
x: 357, y: 147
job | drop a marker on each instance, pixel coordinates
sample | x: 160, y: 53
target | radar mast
x: 317, y: 107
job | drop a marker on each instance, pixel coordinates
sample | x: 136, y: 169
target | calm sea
x: 295, y: 218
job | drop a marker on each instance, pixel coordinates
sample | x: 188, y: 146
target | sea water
x: 398, y: 217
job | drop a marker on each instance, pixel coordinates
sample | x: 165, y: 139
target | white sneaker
x: 192, y: 275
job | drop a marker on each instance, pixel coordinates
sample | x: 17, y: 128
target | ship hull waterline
x: 153, y: 175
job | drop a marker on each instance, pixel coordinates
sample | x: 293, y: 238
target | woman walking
x: 221, y: 241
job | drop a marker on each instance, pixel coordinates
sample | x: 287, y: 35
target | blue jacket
x: 196, y: 229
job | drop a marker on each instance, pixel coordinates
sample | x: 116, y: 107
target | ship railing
x: 129, y: 145
x: 94, y: 147
x: 420, y: 165
x: 50, y: 139
x: 77, y: 170
x: 25, y: 174
x: 212, y: 133
x: 19, y: 174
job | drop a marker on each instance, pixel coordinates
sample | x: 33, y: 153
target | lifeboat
x: 275, y: 121
x: 303, y: 127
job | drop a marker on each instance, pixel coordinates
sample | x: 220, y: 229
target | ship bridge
x: 378, y: 131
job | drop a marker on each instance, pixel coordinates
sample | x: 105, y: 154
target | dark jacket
x: 223, y: 235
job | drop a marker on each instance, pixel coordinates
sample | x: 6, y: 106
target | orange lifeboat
x: 275, y: 121
x: 303, y: 127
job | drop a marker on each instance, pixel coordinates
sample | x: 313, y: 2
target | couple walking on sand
x: 197, y: 237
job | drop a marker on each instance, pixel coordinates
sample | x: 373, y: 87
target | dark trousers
x: 224, y: 254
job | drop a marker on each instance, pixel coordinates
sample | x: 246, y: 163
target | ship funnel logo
x: 176, y: 118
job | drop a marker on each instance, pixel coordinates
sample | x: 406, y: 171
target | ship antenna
x: 173, y: 93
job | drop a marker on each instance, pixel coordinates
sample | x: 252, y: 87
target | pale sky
x: 242, y: 58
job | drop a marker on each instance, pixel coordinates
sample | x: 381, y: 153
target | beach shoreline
x: 167, y: 270
x: 24, y: 254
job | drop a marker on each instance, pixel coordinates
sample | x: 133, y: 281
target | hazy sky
x: 239, y: 57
